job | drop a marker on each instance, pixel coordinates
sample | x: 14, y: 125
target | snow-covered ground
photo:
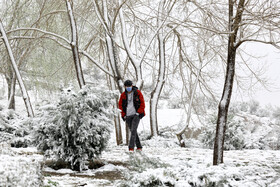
x: 155, y: 165
x: 161, y: 163
x: 20, y: 167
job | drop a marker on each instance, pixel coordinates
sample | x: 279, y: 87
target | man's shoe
x: 139, y: 149
x: 130, y: 150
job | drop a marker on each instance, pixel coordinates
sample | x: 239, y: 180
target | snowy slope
x: 179, y: 167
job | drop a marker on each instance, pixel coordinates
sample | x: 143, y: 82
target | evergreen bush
x: 78, y: 128
x: 234, y: 137
x: 14, y: 129
x: 243, y: 131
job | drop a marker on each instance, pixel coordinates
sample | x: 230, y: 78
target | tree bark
x: 74, y: 44
x: 161, y: 75
x: 11, y: 93
x: 17, y: 73
x: 11, y: 82
x: 158, y: 88
x: 117, y: 120
x: 228, y: 84
x: 160, y: 81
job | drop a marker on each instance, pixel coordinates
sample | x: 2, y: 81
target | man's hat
x: 128, y: 83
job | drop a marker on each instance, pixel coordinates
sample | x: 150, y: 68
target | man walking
x: 132, y: 106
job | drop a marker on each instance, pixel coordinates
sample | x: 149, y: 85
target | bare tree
x: 108, y: 26
x: 17, y: 73
x: 9, y: 74
x: 237, y: 28
x: 161, y: 75
x: 74, y: 44
x: 164, y: 10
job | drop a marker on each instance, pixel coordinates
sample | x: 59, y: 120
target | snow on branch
x: 96, y: 63
x: 42, y: 31
x: 17, y: 73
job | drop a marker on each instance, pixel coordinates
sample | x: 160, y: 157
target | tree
x: 112, y: 53
x: 259, y: 32
x: 7, y: 67
x: 164, y: 9
x: 17, y: 73
x: 74, y: 44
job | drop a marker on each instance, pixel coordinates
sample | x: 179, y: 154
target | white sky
x: 271, y: 57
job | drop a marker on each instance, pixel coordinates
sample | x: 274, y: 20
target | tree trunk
x: 157, y: 91
x: 74, y: 44
x: 117, y: 121
x: 112, y: 61
x: 161, y: 76
x: 17, y: 73
x: 11, y: 93
x: 11, y: 81
x: 118, y: 127
x: 180, y: 133
x: 115, y: 81
x: 223, y: 109
x: 228, y: 85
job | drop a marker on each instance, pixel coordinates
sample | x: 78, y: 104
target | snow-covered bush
x: 78, y: 128
x: 6, y: 130
x: 276, y: 115
x: 23, y: 133
x: 15, y: 129
x: 175, y: 103
x: 234, y: 138
x: 253, y: 106
x: 262, y: 112
x: 19, y: 169
x: 151, y: 177
x: 244, y: 131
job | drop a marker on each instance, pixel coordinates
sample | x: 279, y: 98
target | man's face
x: 128, y: 88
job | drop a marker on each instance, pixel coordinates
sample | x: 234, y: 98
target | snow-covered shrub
x: 15, y: 129
x: 78, y: 128
x: 23, y: 133
x: 253, y: 106
x: 243, y: 131
x: 7, y: 117
x: 1, y: 107
x: 141, y: 162
x: 244, y: 107
x: 19, y: 169
x: 234, y: 138
x: 262, y: 112
x: 151, y: 177
x: 276, y: 115
x: 175, y: 103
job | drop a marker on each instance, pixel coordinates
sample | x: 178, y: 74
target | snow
x: 19, y: 167
x: 162, y: 161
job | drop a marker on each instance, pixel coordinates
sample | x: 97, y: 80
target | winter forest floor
x: 155, y: 166
x: 161, y: 163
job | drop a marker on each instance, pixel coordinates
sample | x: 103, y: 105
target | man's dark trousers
x: 133, y: 122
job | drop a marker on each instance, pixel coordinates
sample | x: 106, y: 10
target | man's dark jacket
x: 138, y: 101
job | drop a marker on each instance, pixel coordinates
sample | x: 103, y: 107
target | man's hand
x: 124, y: 118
